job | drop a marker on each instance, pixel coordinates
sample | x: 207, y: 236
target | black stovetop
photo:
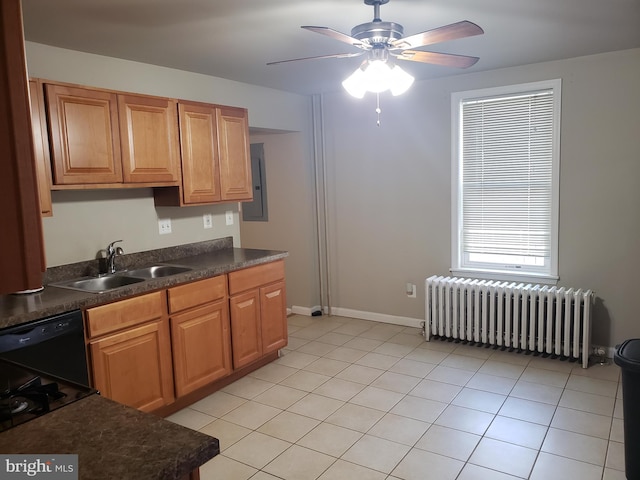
x: 26, y: 394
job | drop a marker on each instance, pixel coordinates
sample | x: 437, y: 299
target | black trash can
x: 628, y: 357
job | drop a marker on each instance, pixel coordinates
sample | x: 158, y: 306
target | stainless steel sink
x: 98, y: 284
x: 157, y: 271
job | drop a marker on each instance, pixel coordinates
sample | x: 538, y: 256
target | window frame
x: 458, y: 265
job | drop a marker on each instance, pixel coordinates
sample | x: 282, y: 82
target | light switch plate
x: 229, y: 217
x: 164, y: 226
x: 207, y: 220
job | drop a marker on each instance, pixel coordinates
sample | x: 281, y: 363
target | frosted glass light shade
x: 377, y: 76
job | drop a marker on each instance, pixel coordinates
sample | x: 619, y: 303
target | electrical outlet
x: 207, y: 220
x: 229, y: 217
x: 164, y: 226
x: 410, y: 290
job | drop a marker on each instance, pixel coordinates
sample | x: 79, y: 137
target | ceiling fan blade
x: 341, y: 37
x: 440, y: 34
x: 335, y: 55
x: 445, y: 59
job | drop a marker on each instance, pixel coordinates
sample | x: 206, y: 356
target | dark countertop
x: 208, y: 259
x: 113, y: 441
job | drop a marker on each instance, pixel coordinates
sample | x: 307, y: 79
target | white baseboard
x: 362, y: 315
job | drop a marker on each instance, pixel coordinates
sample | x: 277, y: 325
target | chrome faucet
x: 112, y: 251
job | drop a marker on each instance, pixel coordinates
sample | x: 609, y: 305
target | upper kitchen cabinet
x: 149, y: 133
x: 41, y: 148
x: 85, y: 137
x: 104, y: 138
x: 235, y: 157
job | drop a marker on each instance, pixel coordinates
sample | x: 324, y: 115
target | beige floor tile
x: 299, y: 463
x: 251, y: 415
x: 377, y: 398
x: 227, y: 433
x: 248, y: 387
x: 465, y: 419
x: 479, y: 400
x: 527, y: 410
x: 256, y: 450
x: 399, y: 429
x: 360, y: 374
x: 342, y: 470
x: 355, y: 417
x: 553, y: 364
x: 473, y: 351
x: 352, y: 328
x: 504, y: 457
x: 575, y: 446
x: 414, y: 368
x: 346, y: 354
x: 366, y: 344
x: 218, y: 404
x: 592, y: 385
x: 618, y: 411
x: 273, y: 372
x: 611, y: 474
x: 393, y: 349
x: 553, y: 467
x: 316, y: 347
x: 511, y: 430
x: 261, y: 476
x: 474, y: 472
x: 512, y: 358
x: 327, y: 366
x: 492, y: 383
x: 438, y: 391
x: 316, y: 406
x: 396, y: 382
x: 588, y: 402
x: 463, y: 362
x: 545, y: 377
x: 300, y: 320
x: 448, y: 442
x: 339, y: 389
x: 418, y: 408
x: 330, y: 439
x: 334, y: 338
x: 439, y: 345
x: 537, y: 392
x: 303, y: 380
x: 454, y: 376
x: 376, y: 453
x: 190, y: 418
x: 582, y: 422
x: 288, y: 426
x: 280, y: 396
x: 615, y: 456
x: 427, y: 355
x: 225, y: 467
x: 294, y: 343
x: 610, y: 372
x: 501, y: 369
x: 296, y: 359
x: 408, y: 339
x: 376, y: 360
x: 379, y: 333
x: 617, y: 431
x: 423, y: 465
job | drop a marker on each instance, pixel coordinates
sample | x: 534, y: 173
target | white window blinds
x: 506, y: 155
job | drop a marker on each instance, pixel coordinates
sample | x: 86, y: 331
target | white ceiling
x: 234, y: 39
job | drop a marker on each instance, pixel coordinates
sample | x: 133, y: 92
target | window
x: 505, y: 179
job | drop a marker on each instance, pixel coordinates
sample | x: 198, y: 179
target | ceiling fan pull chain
x: 378, y: 107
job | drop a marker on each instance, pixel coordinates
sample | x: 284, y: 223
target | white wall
x: 389, y: 188
x: 85, y: 221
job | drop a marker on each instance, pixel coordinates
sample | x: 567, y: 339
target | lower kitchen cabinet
x: 200, y: 333
x: 245, y: 325
x: 130, y: 348
x: 273, y: 308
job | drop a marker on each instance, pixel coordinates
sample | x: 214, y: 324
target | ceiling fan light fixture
x: 354, y: 84
x: 377, y: 76
x: 401, y: 81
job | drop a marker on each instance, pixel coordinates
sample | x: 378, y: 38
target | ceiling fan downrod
x: 376, y: 8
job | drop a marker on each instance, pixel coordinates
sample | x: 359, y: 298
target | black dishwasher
x: 54, y: 345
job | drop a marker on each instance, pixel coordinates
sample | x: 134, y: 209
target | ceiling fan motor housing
x: 378, y: 33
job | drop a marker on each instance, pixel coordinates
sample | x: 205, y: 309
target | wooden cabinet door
x: 273, y: 317
x: 85, y: 139
x: 149, y: 131
x: 199, y: 147
x: 246, y: 341
x: 134, y: 366
x: 235, y: 157
x: 201, y: 346
x: 41, y: 147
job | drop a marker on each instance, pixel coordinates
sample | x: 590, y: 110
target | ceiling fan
x: 384, y: 41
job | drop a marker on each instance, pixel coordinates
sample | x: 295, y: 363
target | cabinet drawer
x: 197, y: 293
x: 125, y: 313
x: 254, y: 277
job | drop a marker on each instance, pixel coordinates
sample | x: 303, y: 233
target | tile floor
x: 353, y: 399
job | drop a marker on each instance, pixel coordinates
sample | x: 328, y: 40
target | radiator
x: 539, y: 319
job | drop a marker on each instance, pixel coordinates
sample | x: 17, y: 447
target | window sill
x: 505, y: 277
